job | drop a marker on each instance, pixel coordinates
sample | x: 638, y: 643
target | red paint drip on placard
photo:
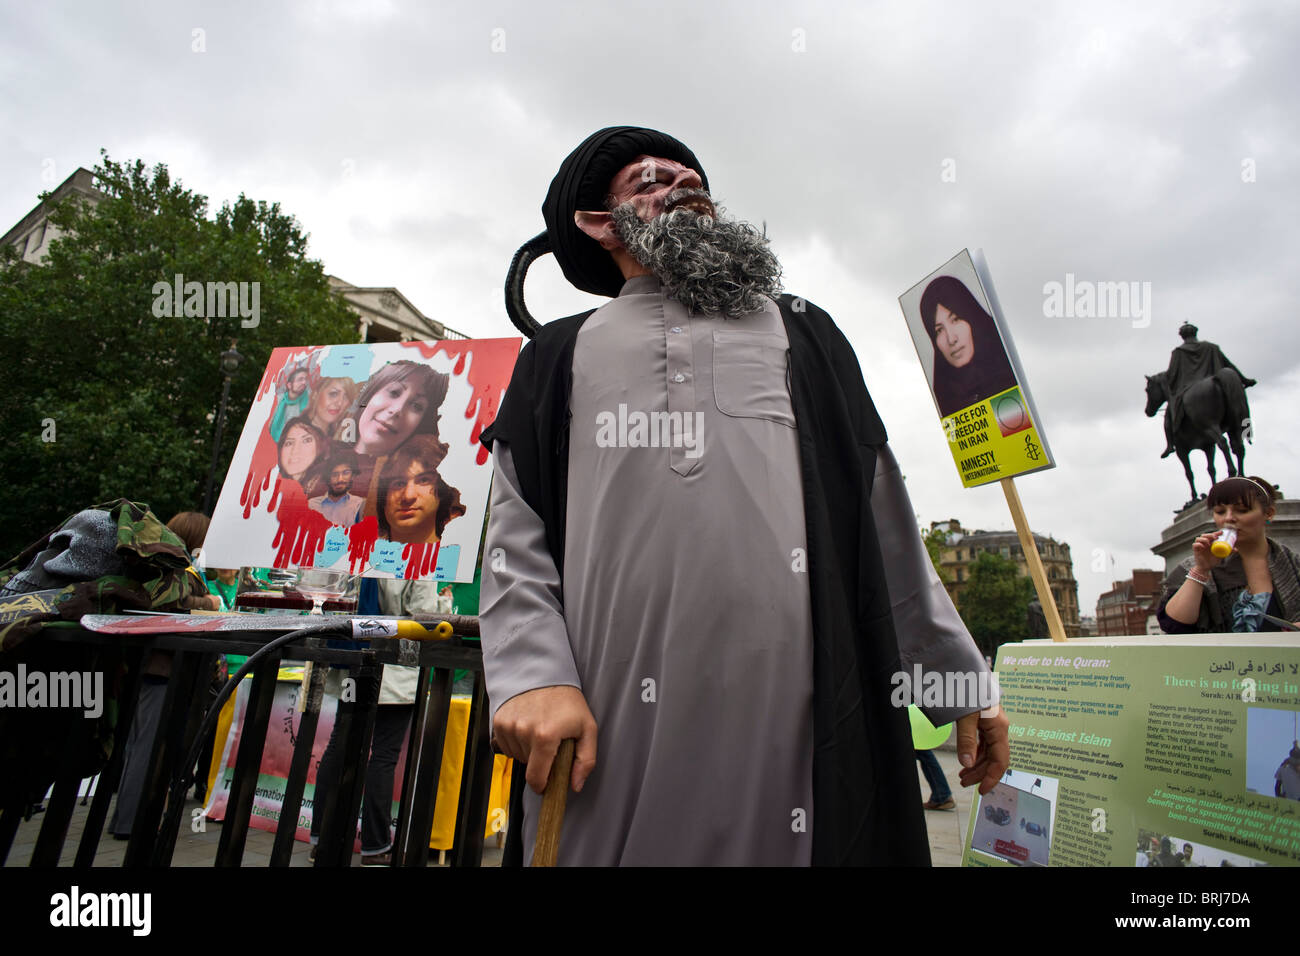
x: 361, y: 542
x: 265, y: 452
x: 421, y: 559
x: 265, y: 455
x: 301, y: 534
x: 493, y: 361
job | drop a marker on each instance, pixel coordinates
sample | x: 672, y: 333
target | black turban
x: 583, y: 183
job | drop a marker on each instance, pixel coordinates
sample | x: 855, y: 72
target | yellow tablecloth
x: 453, y: 759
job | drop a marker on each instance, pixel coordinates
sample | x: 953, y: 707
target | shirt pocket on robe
x: 750, y: 376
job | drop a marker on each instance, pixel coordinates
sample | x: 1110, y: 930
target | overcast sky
x: 1152, y: 143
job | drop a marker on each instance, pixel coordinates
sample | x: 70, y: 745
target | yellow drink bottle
x: 1223, y: 545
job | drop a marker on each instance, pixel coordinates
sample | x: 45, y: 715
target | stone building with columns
x: 31, y: 236
x: 963, y: 547
x: 384, y: 314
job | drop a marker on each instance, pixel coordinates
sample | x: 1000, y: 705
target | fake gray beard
x: 711, y: 266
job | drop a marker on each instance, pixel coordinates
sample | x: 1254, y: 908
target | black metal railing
x: 158, y: 818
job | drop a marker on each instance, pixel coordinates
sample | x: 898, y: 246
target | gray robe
x: 685, y: 616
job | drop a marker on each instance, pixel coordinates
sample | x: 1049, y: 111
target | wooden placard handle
x: 551, y: 818
x: 1036, y: 572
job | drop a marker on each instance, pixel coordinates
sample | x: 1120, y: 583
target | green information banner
x: 1146, y: 751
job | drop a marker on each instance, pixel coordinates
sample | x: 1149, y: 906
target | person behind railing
x: 397, y: 692
x: 223, y: 583
x: 940, y: 791
x: 191, y: 527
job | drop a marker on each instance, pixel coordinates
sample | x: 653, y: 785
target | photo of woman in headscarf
x: 970, y: 363
x: 415, y: 503
x: 330, y: 401
x: 302, y: 447
x: 400, y: 400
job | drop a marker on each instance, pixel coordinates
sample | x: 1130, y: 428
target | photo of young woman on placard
x: 970, y: 364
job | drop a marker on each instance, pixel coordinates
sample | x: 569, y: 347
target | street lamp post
x: 230, y: 362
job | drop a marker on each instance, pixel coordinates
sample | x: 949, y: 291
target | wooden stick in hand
x: 551, y: 818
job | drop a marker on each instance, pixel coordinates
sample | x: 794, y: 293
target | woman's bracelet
x: 1199, y: 576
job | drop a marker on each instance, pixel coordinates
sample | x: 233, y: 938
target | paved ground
x: 192, y: 849
x: 947, y: 828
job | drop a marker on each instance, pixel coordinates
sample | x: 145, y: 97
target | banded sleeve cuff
x: 531, y: 655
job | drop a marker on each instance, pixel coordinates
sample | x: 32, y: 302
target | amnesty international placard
x: 970, y: 362
x: 1155, y: 751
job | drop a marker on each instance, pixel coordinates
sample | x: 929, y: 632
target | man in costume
x: 658, y: 586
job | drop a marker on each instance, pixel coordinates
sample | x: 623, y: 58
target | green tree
x: 935, y: 541
x: 102, y: 398
x: 995, y: 602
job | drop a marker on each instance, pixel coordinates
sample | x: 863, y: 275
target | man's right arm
x: 527, y: 661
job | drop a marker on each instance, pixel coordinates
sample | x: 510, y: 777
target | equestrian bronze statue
x: 1207, y: 407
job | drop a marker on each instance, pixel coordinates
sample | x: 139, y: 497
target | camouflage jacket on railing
x: 150, y: 571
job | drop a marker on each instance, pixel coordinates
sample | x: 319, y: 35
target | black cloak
x: 866, y: 799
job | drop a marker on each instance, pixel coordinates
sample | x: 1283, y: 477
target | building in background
x: 34, y: 232
x: 383, y: 313
x: 388, y: 316
x: 1126, y: 607
x: 963, y: 547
